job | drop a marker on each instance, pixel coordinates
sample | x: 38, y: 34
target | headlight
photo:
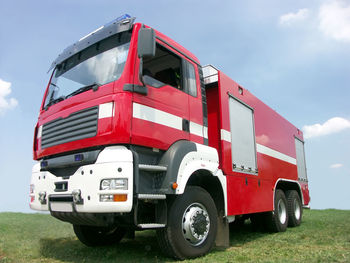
x: 114, y: 184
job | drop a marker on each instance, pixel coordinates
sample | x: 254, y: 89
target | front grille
x: 79, y: 125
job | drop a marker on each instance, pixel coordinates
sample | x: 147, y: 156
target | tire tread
x: 271, y: 220
x: 291, y: 195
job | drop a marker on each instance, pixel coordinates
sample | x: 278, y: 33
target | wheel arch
x: 210, y: 183
x: 285, y: 185
x: 195, y: 164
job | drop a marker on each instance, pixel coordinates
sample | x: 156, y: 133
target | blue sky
x: 294, y: 55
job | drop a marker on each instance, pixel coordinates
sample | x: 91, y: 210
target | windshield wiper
x: 52, y: 102
x: 93, y: 86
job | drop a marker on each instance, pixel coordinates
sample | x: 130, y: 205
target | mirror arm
x: 141, y: 89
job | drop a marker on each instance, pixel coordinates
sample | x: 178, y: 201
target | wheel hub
x: 195, y: 224
x: 282, y: 211
x: 297, y: 209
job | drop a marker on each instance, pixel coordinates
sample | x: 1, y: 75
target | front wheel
x: 192, y: 225
x: 98, y: 236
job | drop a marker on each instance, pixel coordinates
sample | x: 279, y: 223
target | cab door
x: 161, y: 117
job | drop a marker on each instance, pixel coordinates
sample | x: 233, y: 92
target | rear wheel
x: 277, y: 220
x: 98, y: 236
x: 192, y: 225
x: 295, y: 209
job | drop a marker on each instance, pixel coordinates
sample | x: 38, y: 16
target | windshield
x: 96, y: 65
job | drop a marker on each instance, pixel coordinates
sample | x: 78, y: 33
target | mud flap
x: 223, y: 232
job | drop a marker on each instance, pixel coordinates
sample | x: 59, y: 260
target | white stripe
x: 167, y: 119
x: 205, y: 132
x: 225, y: 135
x: 198, y: 130
x: 105, y: 110
x: 270, y: 152
x: 157, y: 116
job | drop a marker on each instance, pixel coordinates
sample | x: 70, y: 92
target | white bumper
x: 112, y: 162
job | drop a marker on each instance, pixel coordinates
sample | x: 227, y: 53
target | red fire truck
x: 133, y: 134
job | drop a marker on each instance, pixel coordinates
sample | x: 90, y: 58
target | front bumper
x: 112, y: 162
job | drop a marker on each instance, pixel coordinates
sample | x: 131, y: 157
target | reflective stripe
x: 105, y: 110
x: 147, y: 113
x: 270, y: 152
x: 198, y: 130
x: 205, y: 132
x: 157, y: 116
x: 226, y: 136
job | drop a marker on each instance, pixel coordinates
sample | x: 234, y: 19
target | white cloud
x: 336, y: 165
x: 334, y: 19
x: 6, y: 103
x: 291, y: 18
x: 333, y: 125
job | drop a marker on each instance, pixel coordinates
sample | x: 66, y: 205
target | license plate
x: 61, y: 206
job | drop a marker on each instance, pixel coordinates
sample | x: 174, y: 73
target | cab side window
x: 191, y: 79
x: 163, y: 69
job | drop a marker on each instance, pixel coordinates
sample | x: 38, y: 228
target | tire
x: 98, y: 236
x: 192, y: 225
x: 295, y: 208
x: 277, y: 220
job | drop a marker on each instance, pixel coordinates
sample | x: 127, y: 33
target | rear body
x: 257, y: 147
x: 131, y: 126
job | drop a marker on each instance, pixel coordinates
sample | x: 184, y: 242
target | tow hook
x: 42, y: 198
x: 77, y: 196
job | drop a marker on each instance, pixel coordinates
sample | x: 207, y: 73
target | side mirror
x: 146, y: 43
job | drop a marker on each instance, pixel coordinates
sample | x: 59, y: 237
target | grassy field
x: 324, y: 236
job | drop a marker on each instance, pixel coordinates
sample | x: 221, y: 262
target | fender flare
x: 288, y: 181
x: 172, y: 159
x: 186, y: 158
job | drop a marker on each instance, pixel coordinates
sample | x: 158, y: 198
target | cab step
x: 152, y: 168
x: 151, y: 196
x: 146, y: 226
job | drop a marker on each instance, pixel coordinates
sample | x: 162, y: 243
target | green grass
x: 324, y: 236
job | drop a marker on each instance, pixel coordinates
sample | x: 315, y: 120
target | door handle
x: 185, y: 125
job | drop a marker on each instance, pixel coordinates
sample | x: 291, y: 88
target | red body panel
x: 167, y: 99
x: 109, y: 132
x: 244, y: 194
x: 118, y: 130
x: 214, y: 123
